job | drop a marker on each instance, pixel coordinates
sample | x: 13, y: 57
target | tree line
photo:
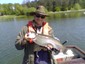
x: 51, y: 5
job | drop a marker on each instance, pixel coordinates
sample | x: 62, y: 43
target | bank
x: 59, y: 13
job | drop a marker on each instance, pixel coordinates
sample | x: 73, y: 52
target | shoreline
x: 68, y: 11
x: 82, y: 10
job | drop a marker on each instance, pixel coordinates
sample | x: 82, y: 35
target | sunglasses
x: 40, y: 16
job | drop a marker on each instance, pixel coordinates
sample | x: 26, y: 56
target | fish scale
x: 44, y: 40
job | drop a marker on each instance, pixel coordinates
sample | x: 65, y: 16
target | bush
x: 77, y: 6
x: 28, y: 10
x: 57, y: 9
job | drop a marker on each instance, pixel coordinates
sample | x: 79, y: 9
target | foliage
x: 32, y: 9
x: 77, y: 6
x: 50, y: 5
x: 57, y: 9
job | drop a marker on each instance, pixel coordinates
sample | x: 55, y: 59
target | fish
x: 44, y: 40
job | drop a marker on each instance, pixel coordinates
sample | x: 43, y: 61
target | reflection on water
x: 71, y: 29
x: 66, y: 15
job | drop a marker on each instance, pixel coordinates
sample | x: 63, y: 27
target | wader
x: 42, y: 57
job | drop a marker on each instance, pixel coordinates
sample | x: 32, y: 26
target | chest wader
x: 42, y: 57
x: 30, y: 60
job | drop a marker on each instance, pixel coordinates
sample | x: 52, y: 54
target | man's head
x: 39, y: 14
x: 41, y: 10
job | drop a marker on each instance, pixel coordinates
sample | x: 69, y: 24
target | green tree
x: 57, y: 9
x: 77, y: 6
x: 19, y: 9
x: 31, y: 9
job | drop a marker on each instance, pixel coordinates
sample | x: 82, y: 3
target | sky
x: 12, y: 1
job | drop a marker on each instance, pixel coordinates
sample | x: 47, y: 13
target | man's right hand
x: 29, y: 37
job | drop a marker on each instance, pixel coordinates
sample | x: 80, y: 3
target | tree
x: 77, y: 6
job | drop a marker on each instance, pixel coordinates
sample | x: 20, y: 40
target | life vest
x: 44, y: 29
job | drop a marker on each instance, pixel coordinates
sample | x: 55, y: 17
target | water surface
x: 71, y: 29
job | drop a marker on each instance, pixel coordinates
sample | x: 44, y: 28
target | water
x: 71, y: 29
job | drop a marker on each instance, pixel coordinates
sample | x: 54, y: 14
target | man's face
x: 39, y: 19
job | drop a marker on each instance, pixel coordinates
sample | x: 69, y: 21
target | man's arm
x: 20, y: 41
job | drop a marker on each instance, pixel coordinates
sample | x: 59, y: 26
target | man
x: 33, y: 53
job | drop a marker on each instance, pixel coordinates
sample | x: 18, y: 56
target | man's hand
x: 49, y: 46
x: 28, y: 38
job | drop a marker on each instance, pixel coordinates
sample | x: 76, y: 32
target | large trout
x: 44, y: 40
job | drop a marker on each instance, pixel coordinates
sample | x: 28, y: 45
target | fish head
x: 31, y: 35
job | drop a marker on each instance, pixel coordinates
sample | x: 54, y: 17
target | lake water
x: 70, y: 29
